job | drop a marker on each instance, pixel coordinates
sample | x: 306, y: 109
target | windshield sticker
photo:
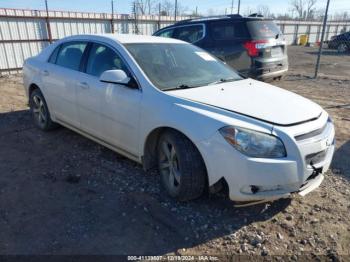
x: 205, y: 56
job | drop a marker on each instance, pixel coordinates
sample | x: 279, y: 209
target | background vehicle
x: 168, y: 104
x: 252, y: 45
x: 340, y: 42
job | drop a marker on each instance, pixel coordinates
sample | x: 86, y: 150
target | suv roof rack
x: 207, y: 18
x: 255, y: 15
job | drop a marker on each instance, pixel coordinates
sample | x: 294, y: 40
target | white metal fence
x: 24, y: 33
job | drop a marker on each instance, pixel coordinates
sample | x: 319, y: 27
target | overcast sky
x: 124, y: 6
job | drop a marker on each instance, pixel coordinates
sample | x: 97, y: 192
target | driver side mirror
x: 115, y: 77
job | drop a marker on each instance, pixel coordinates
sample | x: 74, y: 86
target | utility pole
x: 159, y: 10
x: 232, y: 3
x: 175, y: 9
x: 239, y: 6
x: 112, y: 20
x: 196, y: 10
x: 322, y: 38
x: 48, y: 22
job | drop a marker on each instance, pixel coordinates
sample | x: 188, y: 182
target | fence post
x: 321, y: 42
x: 48, y: 23
x: 296, y: 31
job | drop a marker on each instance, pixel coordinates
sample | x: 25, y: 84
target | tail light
x: 254, y: 46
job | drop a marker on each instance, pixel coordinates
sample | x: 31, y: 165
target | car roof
x: 234, y: 17
x: 124, y: 38
x: 205, y: 19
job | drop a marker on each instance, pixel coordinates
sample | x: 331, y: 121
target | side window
x: 54, y: 54
x: 189, y: 34
x: 166, y: 33
x: 228, y: 31
x: 102, y: 58
x: 70, y: 55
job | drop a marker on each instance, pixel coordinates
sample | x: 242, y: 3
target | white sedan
x: 172, y: 106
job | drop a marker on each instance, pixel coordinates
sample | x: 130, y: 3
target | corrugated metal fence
x: 24, y: 33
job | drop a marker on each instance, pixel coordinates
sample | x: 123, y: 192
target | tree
x: 144, y: 7
x: 263, y: 10
x: 168, y: 8
x: 248, y: 11
x: 305, y: 9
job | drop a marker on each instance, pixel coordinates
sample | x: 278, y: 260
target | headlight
x: 253, y: 143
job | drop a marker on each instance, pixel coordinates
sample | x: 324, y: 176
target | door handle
x: 45, y: 73
x: 83, y: 85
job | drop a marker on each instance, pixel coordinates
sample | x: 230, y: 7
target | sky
x: 124, y: 6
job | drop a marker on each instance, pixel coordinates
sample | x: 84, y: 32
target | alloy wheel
x: 169, y: 165
x: 39, y: 111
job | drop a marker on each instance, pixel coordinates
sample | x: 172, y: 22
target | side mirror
x: 115, y: 77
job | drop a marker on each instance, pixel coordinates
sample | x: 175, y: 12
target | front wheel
x: 181, y: 167
x: 40, y: 111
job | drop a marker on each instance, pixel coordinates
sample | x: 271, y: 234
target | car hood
x: 255, y: 99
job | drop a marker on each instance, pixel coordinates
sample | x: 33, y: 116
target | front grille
x: 316, y: 158
x: 311, y: 134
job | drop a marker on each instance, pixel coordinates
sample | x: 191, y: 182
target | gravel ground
x: 61, y: 193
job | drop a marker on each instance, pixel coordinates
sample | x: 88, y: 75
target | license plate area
x: 276, y: 51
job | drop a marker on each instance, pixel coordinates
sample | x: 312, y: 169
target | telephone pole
x: 232, y: 3
x: 48, y: 22
x: 112, y: 19
x: 175, y: 9
x: 239, y: 6
x: 322, y: 38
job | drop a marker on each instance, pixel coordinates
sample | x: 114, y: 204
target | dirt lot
x: 63, y: 194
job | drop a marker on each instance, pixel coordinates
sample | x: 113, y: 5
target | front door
x: 108, y: 111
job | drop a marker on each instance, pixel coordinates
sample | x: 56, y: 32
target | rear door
x: 60, y: 79
x: 227, y: 43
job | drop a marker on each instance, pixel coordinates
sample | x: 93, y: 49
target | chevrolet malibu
x: 172, y: 106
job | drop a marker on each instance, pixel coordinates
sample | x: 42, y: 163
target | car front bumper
x: 258, y: 180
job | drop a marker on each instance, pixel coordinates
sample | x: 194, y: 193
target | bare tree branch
x: 305, y: 9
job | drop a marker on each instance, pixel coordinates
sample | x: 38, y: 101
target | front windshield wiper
x: 182, y: 86
x: 223, y: 80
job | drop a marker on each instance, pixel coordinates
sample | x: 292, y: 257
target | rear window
x: 70, y: 54
x: 263, y: 29
x: 224, y: 30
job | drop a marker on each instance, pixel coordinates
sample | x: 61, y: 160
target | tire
x: 181, y: 167
x: 40, y: 112
x: 342, y: 48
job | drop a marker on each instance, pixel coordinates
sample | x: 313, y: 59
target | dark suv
x: 252, y: 45
x: 340, y: 42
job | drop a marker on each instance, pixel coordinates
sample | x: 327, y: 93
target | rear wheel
x: 40, y: 111
x: 342, y: 48
x: 181, y: 167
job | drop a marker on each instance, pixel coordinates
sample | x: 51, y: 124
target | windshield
x: 176, y: 65
x: 263, y: 29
